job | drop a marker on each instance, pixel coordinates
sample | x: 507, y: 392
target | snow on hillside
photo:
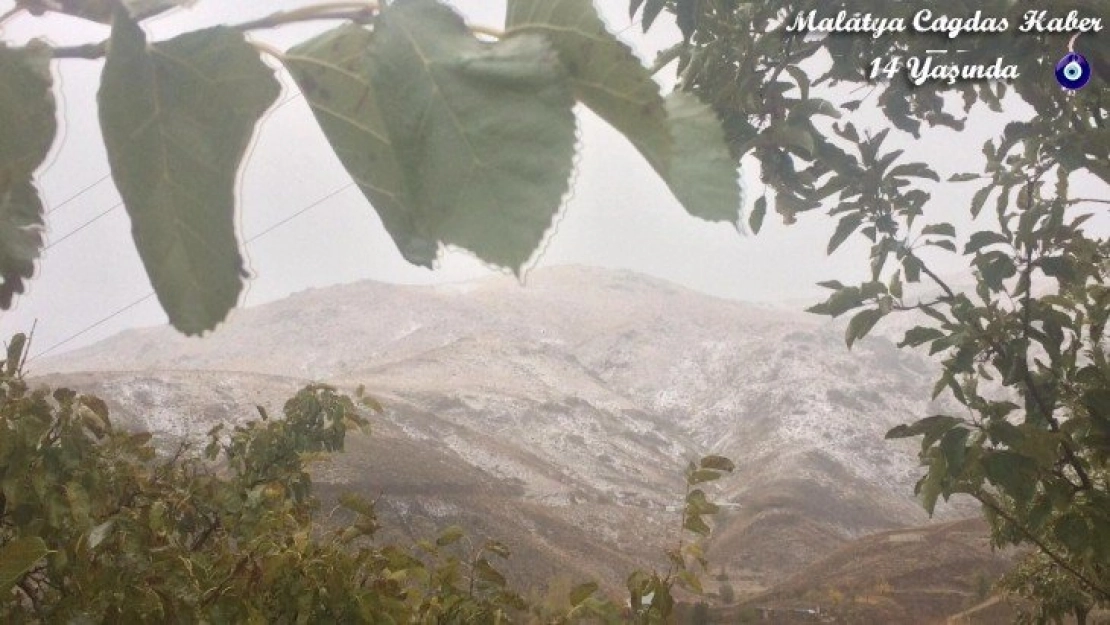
x: 584, y: 385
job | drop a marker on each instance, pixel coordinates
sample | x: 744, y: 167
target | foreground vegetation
x: 97, y: 526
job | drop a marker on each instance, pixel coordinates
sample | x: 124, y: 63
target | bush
x: 96, y: 527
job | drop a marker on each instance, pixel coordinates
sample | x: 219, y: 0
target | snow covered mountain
x: 558, y: 415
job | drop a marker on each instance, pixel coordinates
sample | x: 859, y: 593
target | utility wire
x: 302, y: 211
x: 91, y: 327
x: 150, y: 294
x: 78, y: 194
x: 119, y: 204
x: 82, y: 226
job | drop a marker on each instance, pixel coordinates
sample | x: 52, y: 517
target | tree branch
x: 10, y: 13
x: 90, y: 51
x: 666, y: 57
x: 986, y: 501
x: 1084, y: 200
x: 935, y: 278
x: 1027, y: 376
x: 355, y: 11
x: 212, y: 525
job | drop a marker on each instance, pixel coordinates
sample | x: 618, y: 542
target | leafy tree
x: 1055, y: 592
x: 1024, y: 348
x: 97, y: 526
x: 453, y: 138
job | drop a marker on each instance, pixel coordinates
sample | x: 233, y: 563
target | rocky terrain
x: 558, y: 415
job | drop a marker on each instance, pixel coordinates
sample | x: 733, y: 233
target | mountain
x: 558, y: 415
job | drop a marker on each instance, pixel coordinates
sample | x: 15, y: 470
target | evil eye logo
x: 1073, y: 71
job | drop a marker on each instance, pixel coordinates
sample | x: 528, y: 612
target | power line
x: 150, y: 294
x: 120, y: 204
x: 304, y: 210
x: 82, y: 226
x: 91, y: 327
x: 78, y: 194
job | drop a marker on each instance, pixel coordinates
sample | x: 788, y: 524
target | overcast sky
x: 620, y: 214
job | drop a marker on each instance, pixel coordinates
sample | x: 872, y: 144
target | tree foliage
x: 1023, y: 349
x: 98, y: 526
x: 1054, y: 591
x: 457, y: 136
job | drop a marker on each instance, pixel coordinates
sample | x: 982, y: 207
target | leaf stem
x: 355, y: 11
x: 268, y: 49
x: 487, y: 31
x: 935, y: 278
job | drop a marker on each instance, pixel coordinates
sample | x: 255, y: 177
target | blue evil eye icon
x: 1073, y: 71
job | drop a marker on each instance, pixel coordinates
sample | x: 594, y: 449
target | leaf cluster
x: 1023, y: 350
x: 454, y: 139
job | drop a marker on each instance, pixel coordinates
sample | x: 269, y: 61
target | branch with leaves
x: 1023, y: 348
x: 455, y: 140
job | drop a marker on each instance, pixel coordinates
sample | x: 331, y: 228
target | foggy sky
x: 619, y: 215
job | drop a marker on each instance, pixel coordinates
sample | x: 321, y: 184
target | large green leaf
x: 701, y: 173
x: 177, y: 118
x: 17, y: 557
x: 484, y: 133
x: 27, y: 119
x: 333, y: 73
x: 607, y: 76
x: 680, y: 137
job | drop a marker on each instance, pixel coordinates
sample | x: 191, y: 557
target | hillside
x: 558, y: 415
x: 914, y: 575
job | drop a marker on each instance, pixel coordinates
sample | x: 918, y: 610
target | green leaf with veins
x: 29, y: 127
x: 606, y: 75
x: 177, y: 118
x: 484, y: 133
x: 701, y: 173
x: 333, y: 72
x: 17, y: 557
x: 681, y: 138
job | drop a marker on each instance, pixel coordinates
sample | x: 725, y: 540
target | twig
x: 89, y: 51
x: 935, y: 278
x: 12, y: 12
x: 920, y: 305
x: 666, y: 57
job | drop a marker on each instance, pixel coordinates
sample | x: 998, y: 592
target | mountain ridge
x: 579, y: 397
